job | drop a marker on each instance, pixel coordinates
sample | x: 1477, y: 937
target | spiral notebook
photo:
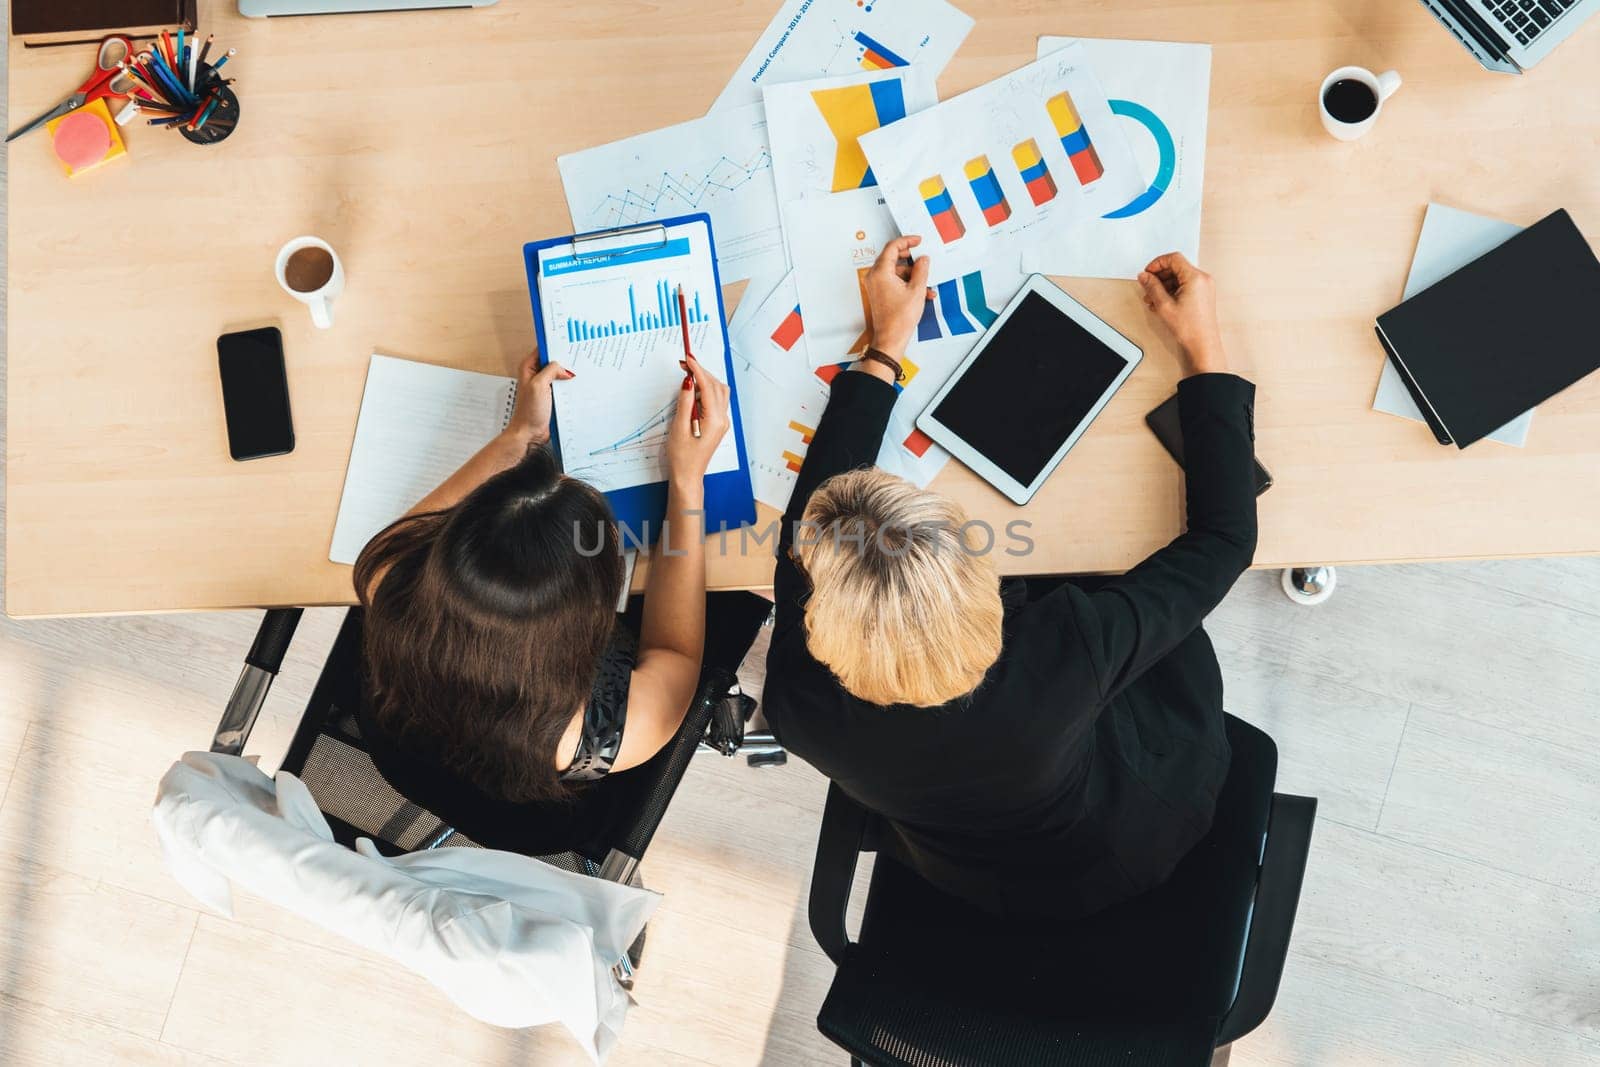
x: 418, y: 424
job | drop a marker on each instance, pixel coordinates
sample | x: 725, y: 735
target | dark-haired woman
x: 502, y: 691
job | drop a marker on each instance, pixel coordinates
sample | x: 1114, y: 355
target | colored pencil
x: 139, y: 80
x: 175, y: 91
x: 206, y: 117
x: 169, y: 78
x: 206, y: 48
x: 218, y: 64
x: 204, y: 111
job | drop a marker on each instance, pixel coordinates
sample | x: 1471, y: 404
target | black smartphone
x: 255, y: 393
x: 1163, y: 422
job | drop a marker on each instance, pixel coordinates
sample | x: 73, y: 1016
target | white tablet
x: 1029, y: 389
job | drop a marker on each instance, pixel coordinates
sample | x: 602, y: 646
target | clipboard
x: 640, y: 509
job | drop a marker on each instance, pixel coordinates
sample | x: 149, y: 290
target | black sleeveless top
x: 606, y: 711
x: 582, y: 823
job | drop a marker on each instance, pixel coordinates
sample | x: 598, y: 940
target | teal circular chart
x: 1165, y: 168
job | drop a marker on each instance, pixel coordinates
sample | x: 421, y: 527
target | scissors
x: 108, y: 79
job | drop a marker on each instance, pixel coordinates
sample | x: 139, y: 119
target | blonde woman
x: 1039, y: 748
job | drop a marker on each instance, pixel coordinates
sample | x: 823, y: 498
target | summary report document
x: 606, y: 307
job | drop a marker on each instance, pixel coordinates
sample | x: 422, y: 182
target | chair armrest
x: 668, y: 767
x: 261, y: 665
x: 1283, y: 868
x: 844, y: 827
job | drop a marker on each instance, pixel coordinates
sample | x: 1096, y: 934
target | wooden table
x: 423, y: 146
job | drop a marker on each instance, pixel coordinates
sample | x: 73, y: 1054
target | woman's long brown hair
x: 484, y: 632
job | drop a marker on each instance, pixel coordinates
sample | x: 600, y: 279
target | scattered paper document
x: 720, y: 164
x: 818, y: 38
x: 755, y: 294
x: 1015, y: 162
x: 774, y: 333
x: 782, y: 400
x: 816, y: 126
x: 966, y: 306
x: 1159, y: 92
x: 778, y: 424
x: 418, y: 424
x: 834, y: 241
x: 782, y: 396
x: 613, y: 320
x: 1450, y: 239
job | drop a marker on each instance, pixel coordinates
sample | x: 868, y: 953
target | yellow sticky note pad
x: 86, y: 138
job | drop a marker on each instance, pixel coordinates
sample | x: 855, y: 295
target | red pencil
x: 203, y: 110
x: 683, y: 320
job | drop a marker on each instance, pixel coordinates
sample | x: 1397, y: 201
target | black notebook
x: 74, y: 21
x: 1501, y: 335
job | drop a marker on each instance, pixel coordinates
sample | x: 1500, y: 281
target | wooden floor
x: 1447, y: 716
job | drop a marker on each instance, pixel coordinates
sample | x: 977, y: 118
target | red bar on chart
x: 941, y: 209
x: 1035, y: 173
x: 789, y: 330
x: 1074, y: 138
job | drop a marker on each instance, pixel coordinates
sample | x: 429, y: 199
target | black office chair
x: 1164, y: 979
x: 328, y: 755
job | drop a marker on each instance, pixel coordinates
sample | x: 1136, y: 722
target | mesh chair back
x: 328, y: 754
x: 348, y: 788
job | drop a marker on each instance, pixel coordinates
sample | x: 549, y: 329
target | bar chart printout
x: 1035, y: 171
x: 659, y: 312
x: 612, y: 318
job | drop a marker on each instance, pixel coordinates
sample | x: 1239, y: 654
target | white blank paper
x: 418, y: 425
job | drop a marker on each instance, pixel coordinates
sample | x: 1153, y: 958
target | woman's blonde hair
x: 904, y: 608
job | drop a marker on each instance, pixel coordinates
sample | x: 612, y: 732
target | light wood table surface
x: 423, y: 147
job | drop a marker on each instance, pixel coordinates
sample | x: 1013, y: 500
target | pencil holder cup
x: 224, y: 118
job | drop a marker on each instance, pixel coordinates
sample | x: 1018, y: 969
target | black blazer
x: 1088, y: 761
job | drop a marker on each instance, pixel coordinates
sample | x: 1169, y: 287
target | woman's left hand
x: 531, y: 420
x: 688, y: 456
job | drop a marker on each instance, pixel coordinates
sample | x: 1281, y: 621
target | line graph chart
x: 668, y: 193
x: 647, y: 436
x: 720, y: 164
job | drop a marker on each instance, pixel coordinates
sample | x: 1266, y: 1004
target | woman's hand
x: 896, y: 294
x: 1184, y: 298
x: 531, y: 420
x: 688, y: 456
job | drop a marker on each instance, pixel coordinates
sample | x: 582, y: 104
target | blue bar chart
x: 660, y: 312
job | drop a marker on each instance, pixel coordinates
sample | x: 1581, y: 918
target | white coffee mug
x: 1382, y: 87
x: 320, y: 299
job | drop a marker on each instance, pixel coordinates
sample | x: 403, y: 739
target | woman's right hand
x: 688, y: 456
x: 1184, y: 298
